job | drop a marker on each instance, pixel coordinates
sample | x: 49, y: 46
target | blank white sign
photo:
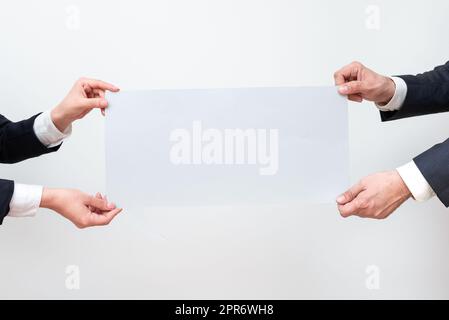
x: 226, y: 146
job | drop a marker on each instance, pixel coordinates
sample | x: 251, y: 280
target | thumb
x: 350, y: 194
x: 91, y: 103
x: 350, y: 208
x: 352, y: 87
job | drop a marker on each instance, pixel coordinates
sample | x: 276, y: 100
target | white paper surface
x: 226, y: 146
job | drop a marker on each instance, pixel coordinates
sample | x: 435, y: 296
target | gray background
x: 266, y: 252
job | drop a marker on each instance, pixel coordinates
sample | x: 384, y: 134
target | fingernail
x: 340, y: 199
x: 111, y: 205
x: 343, y: 89
x: 103, y: 103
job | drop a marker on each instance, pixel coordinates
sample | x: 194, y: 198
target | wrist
x: 60, y: 119
x: 404, y: 191
x: 388, y: 90
x: 48, y: 198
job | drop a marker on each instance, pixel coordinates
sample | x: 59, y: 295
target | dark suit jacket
x: 428, y: 93
x: 17, y: 142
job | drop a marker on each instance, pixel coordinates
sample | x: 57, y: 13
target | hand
x: 375, y: 196
x: 85, y: 95
x: 82, y: 209
x: 358, y: 83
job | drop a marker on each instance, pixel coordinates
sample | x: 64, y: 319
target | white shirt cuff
x: 398, y: 98
x: 46, y: 131
x: 415, y: 181
x: 25, y: 201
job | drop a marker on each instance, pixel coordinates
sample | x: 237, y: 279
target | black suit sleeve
x: 6, y: 192
x: 434, y: 166
x: 428, y: 93
x: 18, y: 142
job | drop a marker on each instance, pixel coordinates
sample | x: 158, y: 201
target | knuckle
x: 364, y: 203
x: 83, y: 223
x: 370, y: 205
x: 361, y: 203
x: 80, y: 225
